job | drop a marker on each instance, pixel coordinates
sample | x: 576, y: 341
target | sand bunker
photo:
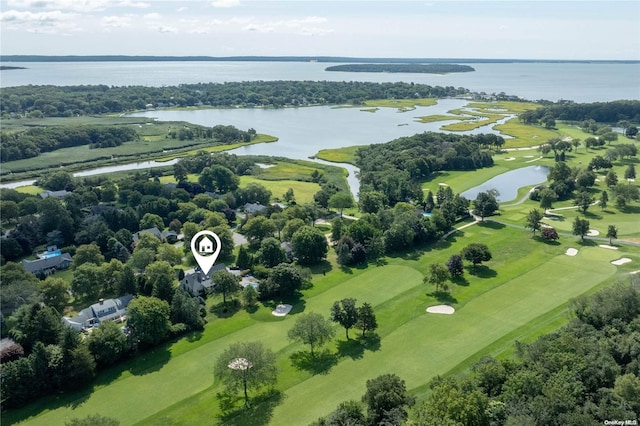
x: 607, y: 246
x: 510, y: 159
x: 621, y: 261
x: 571, y: 252
x: 281, y: 310
x: 441, y: 309
x: 634, y: 272
x: 443, y: 184
x: 593, y: 233
x: 528, y: 156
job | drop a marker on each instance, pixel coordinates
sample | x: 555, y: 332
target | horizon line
x: 289, y: 58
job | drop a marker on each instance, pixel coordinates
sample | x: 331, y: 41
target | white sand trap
x: 281, y: 310
x: 571, y: 252
x: 441, y: 309
x: 621, y: 261
x: 607, y: 246
x: 510, y: 159
x: 528, y: 156
x: 443, y: 184
x: 593, y: 233
x: 634, y: 272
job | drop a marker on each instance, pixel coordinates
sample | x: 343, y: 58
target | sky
x: 573, y: 30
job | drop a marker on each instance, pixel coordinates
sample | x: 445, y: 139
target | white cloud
x: 40, y: 22
x: 312, y: 25
x: 73, y: 5
x: 166, y: 29
x: 152, y: 16
x: 225, y: 3
x: 116, y: 21
x: 134, y: 4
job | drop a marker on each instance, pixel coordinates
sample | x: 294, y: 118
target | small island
x: 8, y: 67
x: 404, y: 68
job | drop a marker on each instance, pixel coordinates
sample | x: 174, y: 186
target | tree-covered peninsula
x: 405, y: 68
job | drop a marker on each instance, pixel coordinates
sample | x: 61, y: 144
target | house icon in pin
x: 205, y: 246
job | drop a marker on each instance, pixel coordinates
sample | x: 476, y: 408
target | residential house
x: 48, y: 265
x: 170, y: 236
x: 104, y: 310
x: 253, y: 208
x: 55, y: 194
x: 197, y: 283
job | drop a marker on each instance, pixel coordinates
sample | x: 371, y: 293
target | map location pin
x: 203, y: 249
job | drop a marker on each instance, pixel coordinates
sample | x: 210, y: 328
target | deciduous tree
x: 148, y: 319
x: 455, y: 265
x: 533, y: 220
x: 225, y: 283
x: 612, y: 232
x: 246, y: 366
x: 438, y: 276
x: 311, y: 329
x: 580, y: 227
x: 485, y: 204
x: 476, y: 253
x: 345, y: 313
x: 366, y: 319
x: 309, y: 245
x: 386, y: 395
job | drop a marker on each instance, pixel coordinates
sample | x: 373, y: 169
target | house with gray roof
x: 104, y: 310
x: 170, y: 236
x: 197, y: 283
x: 253, y: 208
x: 55, y: 194
x: 47, y: 265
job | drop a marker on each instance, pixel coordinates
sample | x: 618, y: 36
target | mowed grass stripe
x: 434, y: 344
x: 191, y: 372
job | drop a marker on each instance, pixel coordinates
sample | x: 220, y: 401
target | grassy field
x: 338, y: 155
x: 524, y: 134
x: 154, y: 143
x: 303, y: 191
x: 497, y: 303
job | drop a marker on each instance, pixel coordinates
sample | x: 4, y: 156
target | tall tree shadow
x: 482, y: 271
x: 354, y: 348
x: 320, y: 363
x: 461, y: 281
x: 259, y: 412
x: 444, y: 297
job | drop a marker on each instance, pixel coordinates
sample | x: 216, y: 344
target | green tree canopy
x: 246, y: 366
x: 311, y: 329
x: 148, y: 319
x: 309, y: 245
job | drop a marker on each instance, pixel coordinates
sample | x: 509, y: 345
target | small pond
x: 508, y: 183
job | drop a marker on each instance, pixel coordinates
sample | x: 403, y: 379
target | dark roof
x: 47, y: 263
x: 153, y: 231
x: 254, y: 208
x: 195, y: 282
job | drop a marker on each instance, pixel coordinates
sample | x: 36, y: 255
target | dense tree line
x: 601, y: 112
x: 585, y: 373
x: 396, y: 168
x: 59, y: 101
x: 33, y: 142
x: 406, y: 68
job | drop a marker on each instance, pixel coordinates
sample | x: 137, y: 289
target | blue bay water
x: 580, y: 82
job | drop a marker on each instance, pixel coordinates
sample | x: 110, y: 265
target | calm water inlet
x: 508, y: 183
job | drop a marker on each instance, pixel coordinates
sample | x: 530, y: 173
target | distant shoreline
x: 403, y: 68
x: 335, y: 59
x: 8, y: 67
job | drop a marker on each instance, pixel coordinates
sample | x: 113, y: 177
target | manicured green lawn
x: 526, y: 284
x: 303, y: 191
